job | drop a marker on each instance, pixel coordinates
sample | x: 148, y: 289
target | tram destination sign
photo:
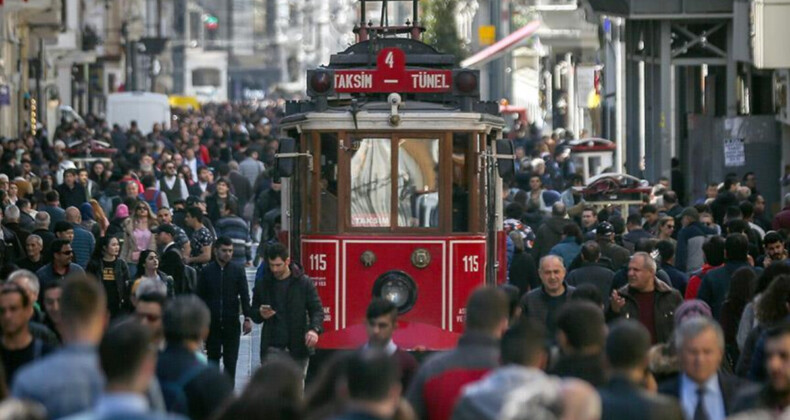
x: 391, y: 75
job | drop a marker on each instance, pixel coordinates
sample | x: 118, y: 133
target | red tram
x: 392, y: 186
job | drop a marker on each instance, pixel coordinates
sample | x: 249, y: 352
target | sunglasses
x: 69, y: 252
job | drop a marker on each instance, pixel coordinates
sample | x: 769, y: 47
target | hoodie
x: 485, y: 399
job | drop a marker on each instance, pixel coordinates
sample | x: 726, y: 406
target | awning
x: 502, y: 46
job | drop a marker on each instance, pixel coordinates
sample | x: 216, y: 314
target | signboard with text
x: 734, y: 153
x: 391, y: 75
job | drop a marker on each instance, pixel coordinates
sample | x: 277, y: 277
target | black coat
x: 173, y: 266
x: 523, y: 272
x: 595, y: 274
x: 305, y: 311
x: 729, y: 384
x: 589, y: 368
x: 622, y: 400
x: 223, y: 290
x: 123, y: 281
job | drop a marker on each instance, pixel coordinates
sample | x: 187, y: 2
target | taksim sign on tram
x: 391, y: 75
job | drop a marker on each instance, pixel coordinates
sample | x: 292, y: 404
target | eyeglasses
x: 68, y: 252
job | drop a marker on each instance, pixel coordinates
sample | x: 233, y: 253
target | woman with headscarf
x: 663, y: 357
x: 116, y: 225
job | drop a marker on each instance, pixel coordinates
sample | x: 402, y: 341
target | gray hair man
x: 186, y: 325
x: 646, y: 298
x: 543, y: 304
x: 702, y: 391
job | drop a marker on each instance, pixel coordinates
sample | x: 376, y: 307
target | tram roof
x: 414, y: 116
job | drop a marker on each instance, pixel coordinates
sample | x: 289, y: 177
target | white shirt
x: 170, y: 182
x: 390, y: 348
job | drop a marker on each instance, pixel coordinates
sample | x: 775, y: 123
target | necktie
x: 699, y: 412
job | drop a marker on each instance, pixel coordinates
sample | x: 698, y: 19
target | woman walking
x: 113, y: 273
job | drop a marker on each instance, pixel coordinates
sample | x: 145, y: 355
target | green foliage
x: 441, y: 30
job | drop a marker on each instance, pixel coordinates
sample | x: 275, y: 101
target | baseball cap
x: 166, y: 229
x: 604, y: 228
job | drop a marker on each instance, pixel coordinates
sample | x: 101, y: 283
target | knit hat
x: 690, y: 309
x: 86, y: 210
x: 121, y: 211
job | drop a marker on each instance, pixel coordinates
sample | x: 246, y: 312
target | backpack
x: 151, y: 202
x: 174, y: 393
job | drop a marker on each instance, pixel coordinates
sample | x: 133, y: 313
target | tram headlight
x: 466, y: 81
x: 398, y: 288
x: 320, y: 82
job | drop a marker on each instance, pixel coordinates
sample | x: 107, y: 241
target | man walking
x: 434, y: 391
x: 189, y: 386
x: 542, y: 304
x: 646, y: 298
x: 223, y: 286
x: 68, y: 381
x: 172, y: 262
x: 702, y: 391
x: 61, y: 265
x: 286, y: 302
x: 382, y: 316
x: 18, y: 346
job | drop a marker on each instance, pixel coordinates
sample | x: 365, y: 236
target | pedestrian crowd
x: 125, y: 294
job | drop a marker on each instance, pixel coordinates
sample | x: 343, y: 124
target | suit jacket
x: 622, y: 400
x: 729, y: 384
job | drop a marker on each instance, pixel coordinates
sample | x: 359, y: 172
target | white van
x: 144, y: 107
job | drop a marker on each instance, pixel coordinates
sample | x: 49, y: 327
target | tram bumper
x: 409, y: 336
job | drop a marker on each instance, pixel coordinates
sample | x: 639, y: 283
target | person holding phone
x: 286, y: 302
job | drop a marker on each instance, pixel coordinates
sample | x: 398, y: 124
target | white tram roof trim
x: 409, y: 121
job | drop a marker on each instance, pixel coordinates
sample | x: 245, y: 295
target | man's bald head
x: 73, y: 215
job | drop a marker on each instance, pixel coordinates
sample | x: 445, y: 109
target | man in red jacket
x: 439, y: 380
x: 713, y: 250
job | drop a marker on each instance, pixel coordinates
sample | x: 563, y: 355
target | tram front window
x: 371, y: 183
x: 418, y: 183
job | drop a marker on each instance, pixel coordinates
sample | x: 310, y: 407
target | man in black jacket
x: 282, y: 300
x: 172, y: 263
x: 591, y: 270
x: 223, y: 286
x: 190, y: 387
x: 624, y: 397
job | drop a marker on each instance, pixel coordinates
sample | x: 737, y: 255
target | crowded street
x: 394, y: 210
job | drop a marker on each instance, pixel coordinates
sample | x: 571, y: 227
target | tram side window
x: 328, y: 193
x: 371, y: 183
x: 418, y: 183
x: 462, y: 143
